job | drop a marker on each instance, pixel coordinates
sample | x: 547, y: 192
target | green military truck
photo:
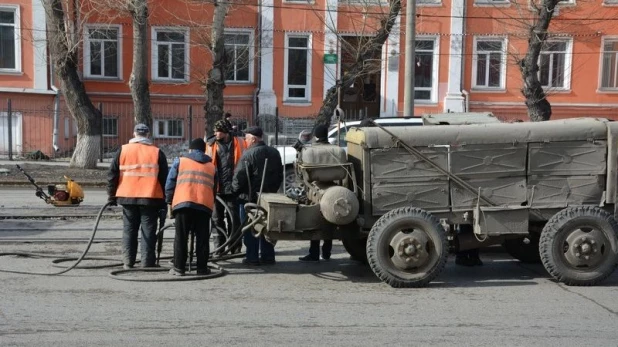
x: 546, y: 191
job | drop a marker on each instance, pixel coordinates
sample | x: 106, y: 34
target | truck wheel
x: 357, y: 248
x: 407, y: 248
x: 526, y: 249
x: 579, y: 245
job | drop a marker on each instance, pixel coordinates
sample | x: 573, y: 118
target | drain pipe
x: 56, y: 118
x: 467, y: 96
x: 256, y: 91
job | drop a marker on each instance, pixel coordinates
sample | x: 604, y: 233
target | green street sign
x: 330, y: 58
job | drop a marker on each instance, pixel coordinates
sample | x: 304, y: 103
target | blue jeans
x: 256, y: 244
x: 134, y: 216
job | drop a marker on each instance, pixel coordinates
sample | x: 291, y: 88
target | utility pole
x: 408, y: 92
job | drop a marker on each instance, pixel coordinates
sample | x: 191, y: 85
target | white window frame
x: 610, y: 2
x: 286, y: 97
x: 87, y: 66
x: 250, y: 45
x: 155, y: 133
x: 17, y: 26
x: 568, y: 56
x: 155, y: 56
x: 435, y: 69
x: 503, y: 64
x: 489, y: 3
x: 604, y: 40
x: 428, y: 3
x: 103, y: 126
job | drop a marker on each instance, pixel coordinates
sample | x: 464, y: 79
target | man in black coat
x: 246, y: 184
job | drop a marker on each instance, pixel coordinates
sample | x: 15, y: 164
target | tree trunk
x: 539, y: 108
x: 358, y: 69
x: 65, y: 59
x: 138, y: 82
x: 216, y: 76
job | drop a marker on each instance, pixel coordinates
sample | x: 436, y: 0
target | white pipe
x: 467, y: 96
x: 56, y: 118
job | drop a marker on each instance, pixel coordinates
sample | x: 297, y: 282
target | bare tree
x: 138, y: 82
x: 363, y: 51
x: 539, y: 108
x: 64, y: 56
x: 215, y: 83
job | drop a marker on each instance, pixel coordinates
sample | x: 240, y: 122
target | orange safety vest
x: 139, y: 172
x: 239, y: 147
x: 195, y: 183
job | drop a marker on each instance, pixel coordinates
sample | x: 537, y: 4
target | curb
x: 43, y: 184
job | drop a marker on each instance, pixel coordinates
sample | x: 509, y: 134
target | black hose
x: 219, y: 271
x: 74, y: 265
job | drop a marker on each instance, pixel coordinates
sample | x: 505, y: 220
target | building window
x: 166, y: 128
x: 110, y: 127
x: 489, y: 67
x: 555, y: 64
x: 297, y: 68
x: 239, y: 57
x: 609, y: 65
x: 426, y: 70
x: 170, y: 54
x: 10, y: 43
x: 491, y: 2
x: 102, y: 52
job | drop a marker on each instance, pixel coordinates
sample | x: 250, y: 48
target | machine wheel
x: 407, y: 248
x: 526, y: 249
x: 579, y: 245
x: 357, y: 248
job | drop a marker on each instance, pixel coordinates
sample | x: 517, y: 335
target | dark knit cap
x: 320, y: 131
x: 198, y: 144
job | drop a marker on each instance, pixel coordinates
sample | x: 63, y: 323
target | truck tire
x: 357, y: 248
x: 579, y: 245
x: 407, y: 248
x: 526, y: 249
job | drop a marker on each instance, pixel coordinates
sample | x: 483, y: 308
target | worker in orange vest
x: 190, y: 193
x: 225, y: 151
x: 136, y: 181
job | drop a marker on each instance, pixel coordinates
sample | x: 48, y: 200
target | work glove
x: 112, y: 201
x: 170, y: 212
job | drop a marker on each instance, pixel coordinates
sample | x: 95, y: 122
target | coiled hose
x: 73, y: 266
x: 232, y: 241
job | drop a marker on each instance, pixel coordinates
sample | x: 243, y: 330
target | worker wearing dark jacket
x: 190, y: 192
x: 321, y: 138
x: 225, y: 151
x: 136, y: 180
x: 247, y: 188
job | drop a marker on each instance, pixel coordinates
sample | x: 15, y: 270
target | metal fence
x: 46, y: 130
x: 43, y: 128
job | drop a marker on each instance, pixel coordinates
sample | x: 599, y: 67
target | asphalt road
x: 335, y: 303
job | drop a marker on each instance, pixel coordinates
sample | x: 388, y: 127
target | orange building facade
x: 284, y: 55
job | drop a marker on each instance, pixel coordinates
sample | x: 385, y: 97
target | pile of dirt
x: 46, y: 173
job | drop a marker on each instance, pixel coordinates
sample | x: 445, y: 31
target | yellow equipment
x: 70, y: 194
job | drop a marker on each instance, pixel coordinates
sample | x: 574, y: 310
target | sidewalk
x: 50, y: 172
